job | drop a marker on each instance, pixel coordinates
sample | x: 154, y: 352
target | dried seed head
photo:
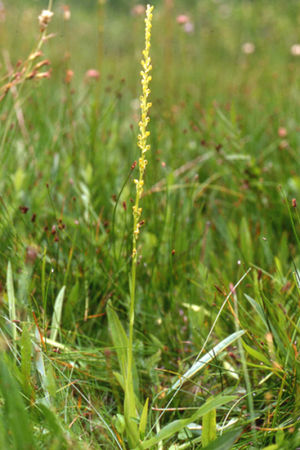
x: 45, y: 18
x: 43, y: 74
x: 69, y: 76
x: 35, y: 55
x: 23, y: 209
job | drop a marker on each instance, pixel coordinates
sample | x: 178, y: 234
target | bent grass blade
x: 57, y: 313
x: 198, y: 365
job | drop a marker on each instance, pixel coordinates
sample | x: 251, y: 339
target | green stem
x: 245, y: 372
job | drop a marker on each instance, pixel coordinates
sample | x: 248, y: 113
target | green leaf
x: 51, y: 383
x: 3, y: 431
x: 50, y: 420
x: 14, y: 412
x: 174, y: 427
x: 56, y: 316
x: 143, y: 421
x: 202, y: 362
x: 258, y: 309
x: 246, y: 241
x: 11, y: 300
x: 26, y: 349
x: 40, y: 366
x: 226, y: 441
x: 256, y: 354
x: 69, y: 306
x: 120, y: 379
x: 209, y: 427
x: 119, y: 338
x: 120, y: 342
x: 130, y: 412
x: 18, y: 179
x: 279, y: 437
x: 119, y: 423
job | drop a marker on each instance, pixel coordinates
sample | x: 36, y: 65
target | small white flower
x: 248, y: 48
x: 44, y: 18
x: 188, y: 27
x: 295, y: 49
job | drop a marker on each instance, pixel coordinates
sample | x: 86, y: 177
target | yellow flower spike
x: 144, y: 134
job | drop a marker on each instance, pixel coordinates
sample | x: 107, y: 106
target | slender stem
x: 131, y: 313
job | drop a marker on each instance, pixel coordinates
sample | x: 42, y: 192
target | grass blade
x: 11, y: 300
x: 56, y: 316
x: 202, y: 362
x: 258, y: 309
x: 26, y: 350
x: 256, y: 354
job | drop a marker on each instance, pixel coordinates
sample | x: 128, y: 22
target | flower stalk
x: 143, y: 145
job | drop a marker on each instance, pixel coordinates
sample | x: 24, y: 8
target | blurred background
x: 225, y: 86
x: 226, y: 50
x: 225, y: 78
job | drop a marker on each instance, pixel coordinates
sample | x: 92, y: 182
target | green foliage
x: 14, y: 412
x: 173, y: 427
x: 26, y: 351
x: 221, y: 196
x: 209, y: 425
x: 225, y: 441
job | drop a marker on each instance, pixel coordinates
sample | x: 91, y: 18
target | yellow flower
x: 144, y: 121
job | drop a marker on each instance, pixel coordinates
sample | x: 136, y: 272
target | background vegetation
x: 221, y: 193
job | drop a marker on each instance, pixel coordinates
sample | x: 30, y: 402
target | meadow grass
x: 216, y: 329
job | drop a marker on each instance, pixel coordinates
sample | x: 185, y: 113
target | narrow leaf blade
x: 198, y: 365
x: 56, y: 316
x: 11, y: 299
x: 119, y: 338
x: 143, y: 421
